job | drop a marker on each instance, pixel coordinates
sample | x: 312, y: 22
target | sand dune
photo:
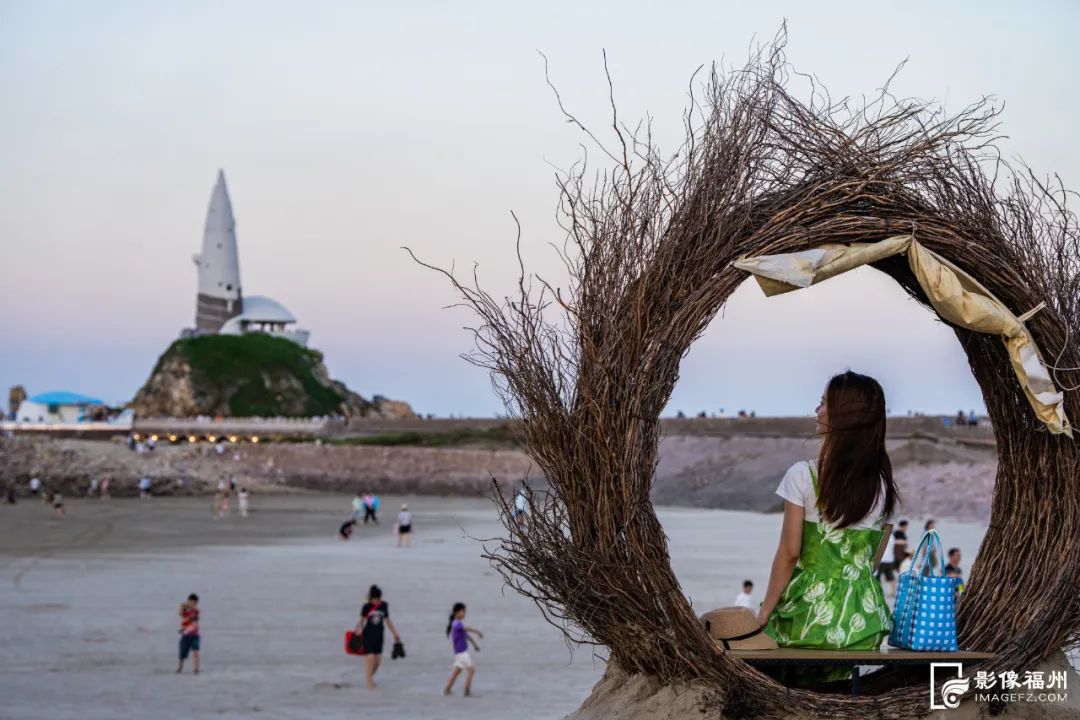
x: 741, y: 472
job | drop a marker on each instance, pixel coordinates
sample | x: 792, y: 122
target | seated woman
x: 822, y: 593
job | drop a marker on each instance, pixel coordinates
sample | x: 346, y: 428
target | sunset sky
x: 347, y: 130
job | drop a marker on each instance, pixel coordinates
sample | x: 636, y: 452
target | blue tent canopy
x: 63, y: 397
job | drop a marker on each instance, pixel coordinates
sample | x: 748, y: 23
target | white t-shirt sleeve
x: 797, y: 486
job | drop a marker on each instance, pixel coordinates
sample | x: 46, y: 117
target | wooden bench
x: 887, y: 656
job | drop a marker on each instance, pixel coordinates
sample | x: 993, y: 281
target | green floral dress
x: 833, y: 600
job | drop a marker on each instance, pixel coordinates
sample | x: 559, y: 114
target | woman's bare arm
x: 787, y: 555
x: 390, y: 624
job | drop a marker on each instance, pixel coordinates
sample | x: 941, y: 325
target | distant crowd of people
x: 365, y: 509
x: 99, y: 488
x: 141, y: 445
x: 897, y: 557
x: 219, y: 506
x: 53, y: 498
x: 968, y: 420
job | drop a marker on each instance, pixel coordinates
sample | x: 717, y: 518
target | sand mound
x: 640, y: 697
x: 935, y: 477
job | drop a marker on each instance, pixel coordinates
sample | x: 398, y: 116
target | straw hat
x: 736, y: 628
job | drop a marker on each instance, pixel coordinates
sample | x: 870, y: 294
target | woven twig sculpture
x: 649, y: 250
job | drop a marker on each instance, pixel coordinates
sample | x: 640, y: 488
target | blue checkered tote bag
x: 924, y: 617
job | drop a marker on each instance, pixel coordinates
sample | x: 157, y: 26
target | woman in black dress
x: 374, y: 618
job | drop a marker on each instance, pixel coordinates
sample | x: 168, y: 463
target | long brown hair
x: 853, y: 467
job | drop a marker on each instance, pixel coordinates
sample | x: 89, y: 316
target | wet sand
x: 90, y: 601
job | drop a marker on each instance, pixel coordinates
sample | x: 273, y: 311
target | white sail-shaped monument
x: 220, y: 306
x: 219, y: 298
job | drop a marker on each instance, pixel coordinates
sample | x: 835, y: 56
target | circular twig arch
x: 649, y: 251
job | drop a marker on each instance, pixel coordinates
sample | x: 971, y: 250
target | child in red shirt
x: 189, y: 631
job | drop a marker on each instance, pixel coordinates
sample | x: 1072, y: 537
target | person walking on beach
x: 932, y: 562
x: 345, y: 531
x: 743, y: 599
x: 58, y: 505
x: 144, y: 488
x: 217, y: 503
x: 189, y: 632
x: 404, y: 527
x: 521, y: 506
x: 374, y: 618
x: 357, y: 507
x: 461, y: 636
x: 953, y: 569
x: 369, y: 509
x: 105, y: 488
x: 887, y: 569
x: 35, y: 487
x: 242, y: 502
x: 900, y: 543
x: 821, y: 592
x: 93, y: 489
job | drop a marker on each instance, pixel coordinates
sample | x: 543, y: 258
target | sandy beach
x: 90, y: 602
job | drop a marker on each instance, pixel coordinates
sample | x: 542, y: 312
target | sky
x: 350, y: 129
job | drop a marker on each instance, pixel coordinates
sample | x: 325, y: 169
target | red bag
x: 354, y: 644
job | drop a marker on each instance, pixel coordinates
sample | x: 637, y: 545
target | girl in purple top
x: 459, y: 634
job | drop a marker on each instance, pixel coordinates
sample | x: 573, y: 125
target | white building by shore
x: 57, y: 407
x: 63, y: 410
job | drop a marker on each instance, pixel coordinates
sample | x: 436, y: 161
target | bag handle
x: 374, y: 606
x: 923, y: 553
x: 929, y: 538
x: 912, y: 607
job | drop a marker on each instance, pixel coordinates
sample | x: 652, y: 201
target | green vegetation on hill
x: 258, y: 375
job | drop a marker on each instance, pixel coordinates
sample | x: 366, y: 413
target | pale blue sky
x: 349, y: 129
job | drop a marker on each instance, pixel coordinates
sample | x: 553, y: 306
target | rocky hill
x: 251, y: 376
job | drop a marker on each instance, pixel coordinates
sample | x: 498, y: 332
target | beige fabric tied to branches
x: 957, y: 297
